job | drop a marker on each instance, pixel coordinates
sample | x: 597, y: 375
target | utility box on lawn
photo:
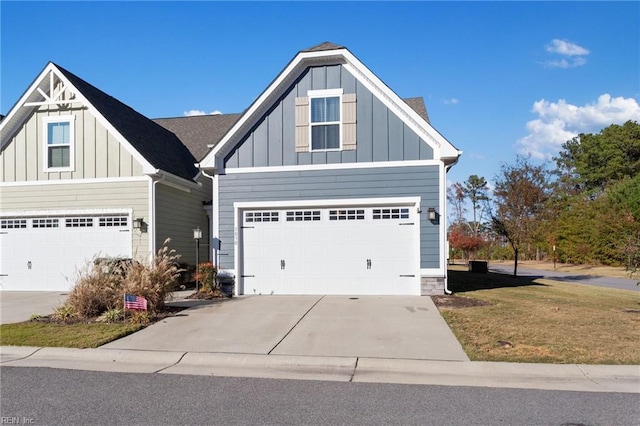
x: 480, y: 266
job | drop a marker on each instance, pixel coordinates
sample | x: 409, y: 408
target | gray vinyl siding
x: 178, y: 213
x: 83, y: 196
x: 422, y: 181
x: 380, y: 134
x: 97, y: 153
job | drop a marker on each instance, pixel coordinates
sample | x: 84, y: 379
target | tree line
x: 583, y: 207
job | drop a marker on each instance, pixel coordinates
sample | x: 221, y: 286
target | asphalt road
x: 41, y: 396
x: 609, y: 282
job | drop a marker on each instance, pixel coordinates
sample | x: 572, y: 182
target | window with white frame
x: 59, y: 133
x: 325, y: 120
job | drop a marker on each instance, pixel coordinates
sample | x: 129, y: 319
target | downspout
x: 446, y: 277
x: 152, y: 233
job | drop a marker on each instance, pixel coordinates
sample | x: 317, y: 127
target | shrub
x: 64, y: 313
x: 102, y: 284
x: 208, y: 276
x: 112, y: 315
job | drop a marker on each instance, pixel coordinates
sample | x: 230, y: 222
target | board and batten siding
x: 380, y: 134
x: 83, y: 196
x: 97, y: 153
x: 178, y: 213
x: 380, y: 182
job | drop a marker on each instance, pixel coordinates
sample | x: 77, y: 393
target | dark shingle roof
x: 417, y: 104
x: 326, y: 45
x: 156, y: 144
x: 197, y: 132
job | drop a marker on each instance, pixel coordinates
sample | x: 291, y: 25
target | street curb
x: 568, y: 377
x: 565, y: 377
x: 266, y: 366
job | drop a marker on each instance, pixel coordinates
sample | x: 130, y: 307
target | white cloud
x: 193, y: 112
x: 452, y: 101
x: 565, y: 47
x: 571, y: 54
x: 560, y: 121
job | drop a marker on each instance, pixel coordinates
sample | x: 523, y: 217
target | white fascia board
x: 387, y: 201
x: 7, y: 126
x: 442, y: 148
x: 333, y: 166
x: 281, y: 82
x: 72, y: 181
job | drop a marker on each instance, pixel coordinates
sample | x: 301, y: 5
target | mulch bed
x: 457, y: 302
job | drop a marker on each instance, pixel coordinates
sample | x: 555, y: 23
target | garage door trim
x: 241, y: 207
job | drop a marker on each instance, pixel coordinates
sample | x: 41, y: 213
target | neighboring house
x: 85, y: 176
x: 329, y: 183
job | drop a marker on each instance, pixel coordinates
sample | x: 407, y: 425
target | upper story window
x: 59, y: 140
x: 325, y: 123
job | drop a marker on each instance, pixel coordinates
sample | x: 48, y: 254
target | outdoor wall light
x: 433, y: 215
x: 138, y: 223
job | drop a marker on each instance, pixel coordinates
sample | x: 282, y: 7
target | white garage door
x: 45, y: 253
x: 355, y: 250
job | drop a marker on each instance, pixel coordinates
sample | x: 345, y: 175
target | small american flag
x: 135, y: 302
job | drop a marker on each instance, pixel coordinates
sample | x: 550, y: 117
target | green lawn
x: 79, y: 335
x: 545, y: 321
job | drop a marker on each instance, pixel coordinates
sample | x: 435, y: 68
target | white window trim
x: 326, y: 93
x: 71, y: 119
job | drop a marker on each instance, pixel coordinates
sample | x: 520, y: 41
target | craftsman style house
x: 329, y: 183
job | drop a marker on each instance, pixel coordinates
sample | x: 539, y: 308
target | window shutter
x: 302, y: 124
x: 349, y: 121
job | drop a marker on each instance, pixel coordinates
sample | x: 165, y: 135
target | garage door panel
x: 48, y: 253
x: 340, y: 251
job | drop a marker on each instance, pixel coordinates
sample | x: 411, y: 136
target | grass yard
x: 537, y: 320
x: 78, y: 335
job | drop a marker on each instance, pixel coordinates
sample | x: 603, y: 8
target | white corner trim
x: 334, y: 166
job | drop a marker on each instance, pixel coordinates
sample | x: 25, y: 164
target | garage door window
x: 112, y: 221
x: 251, y: 217
x: 391, y: 213
x: 79, y: 222
x: 349, y: 214
x: 13, y: 223
x: 45, y: 223
x: 303, y: 215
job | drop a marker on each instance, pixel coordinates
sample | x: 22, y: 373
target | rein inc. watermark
x: 14, y: 420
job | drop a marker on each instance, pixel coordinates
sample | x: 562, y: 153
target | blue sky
x: 498, y: 78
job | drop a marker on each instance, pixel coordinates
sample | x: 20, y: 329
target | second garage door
x: 46, y: 253
x: 368, y: 250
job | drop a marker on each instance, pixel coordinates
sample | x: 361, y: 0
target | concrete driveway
x: 18, y: 306
x: 408, y: 327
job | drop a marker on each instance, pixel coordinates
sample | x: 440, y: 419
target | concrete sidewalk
x: 567, y: 377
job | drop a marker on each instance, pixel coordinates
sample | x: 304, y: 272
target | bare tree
x: 520, y: 194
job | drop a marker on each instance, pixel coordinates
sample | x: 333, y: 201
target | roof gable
x: 154, y: 146
x: 411, y: 112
